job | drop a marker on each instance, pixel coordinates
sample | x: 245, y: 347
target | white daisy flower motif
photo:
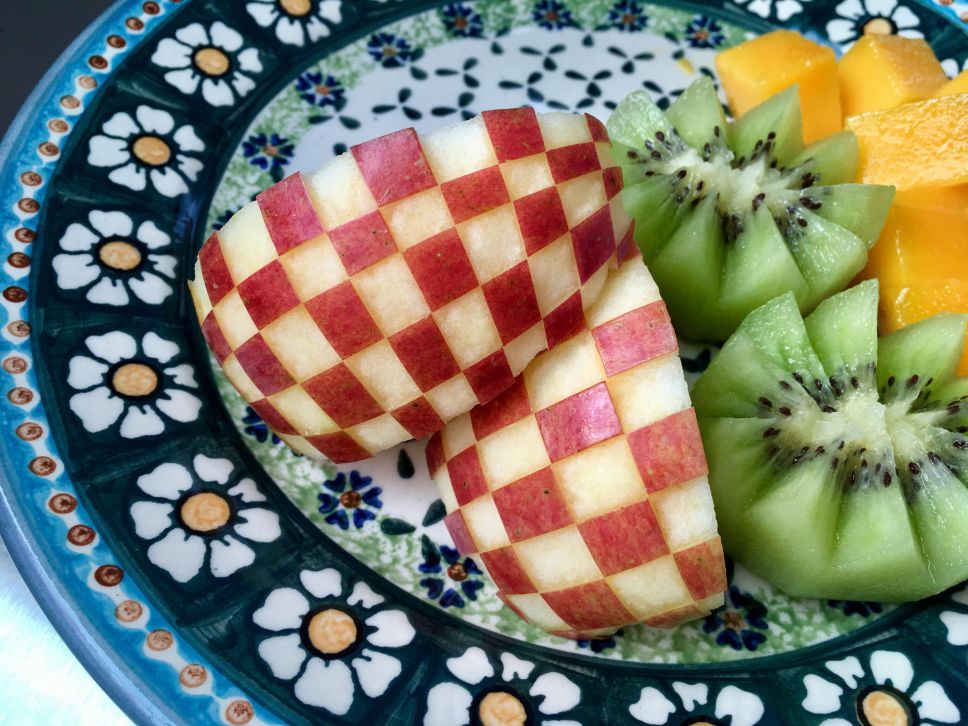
x: 204, y: 518
x: 331, y: 644
x: 295, y: 21
x: 211, y: 59
x: 146, y: 146
x: 693, y: 703
x: 956, y: 623
x: 782, y: 10
x: 483, y: 695
x: 111, y: 260
x: 951, y: 67
x: 865, y: 17
x: 138, y: 383
x: 883, y: 694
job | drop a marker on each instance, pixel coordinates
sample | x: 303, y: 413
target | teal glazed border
x: 100, y: 474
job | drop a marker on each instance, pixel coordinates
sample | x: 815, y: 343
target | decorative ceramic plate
x: 156, y: 125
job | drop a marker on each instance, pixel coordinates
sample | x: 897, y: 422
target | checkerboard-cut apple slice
x: 411, y: 278
x: 582, y: 489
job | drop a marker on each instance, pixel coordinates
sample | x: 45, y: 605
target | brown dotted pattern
x: 62, y: 503
x: 58, y: 126
x: 15, y: 294
x: 42, y: 466
x: 48, y: 148
x: 128, y: 611
x: 22, y: 234
x: 19, y: 328
x: 31, y: 178
x: 30, y: 431
x: 193, y: 675
x: 134, y: 24
x: 152, y: 8
x: 109, y: 575
x: 28, y: 205
x: 20, y: 396
x: 87, y: 82
x: 18, y: 260
x: 15, y: 364
x: 116, y: 41
x: 70, y: 102
x: 80, y: 535
x: 98, y: 62
x: 159, y: 640
x: 239, y: 712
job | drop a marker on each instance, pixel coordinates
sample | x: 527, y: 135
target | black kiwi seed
x: 961, y: 444
x: 650, y: 173
x: 891, y: 381
x: 934, y: 458
x: 914, y: 468
x: 801, y: 221
x: 828, y: 409
x: 818, y: 384
x: 770, y: 432
x: 656, y: 155
x: 716, y: 131
x: 632, y: 154
x: 886, y: 478
x: 766, y: 402
x: 798, y: 378
x: 700, y: 185
x: 820, y: 451
x: 660, y: 136
x: 913, y: 380
x: 784, y: 411
x: 785, y: 385
x: 772, y: 135
x: 840, y: 446
x: 962, y: 429
x: 835, y: 463
x: 854, y: 382
x: 681, y: 173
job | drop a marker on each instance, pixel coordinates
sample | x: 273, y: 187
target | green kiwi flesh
x: 776, y: 216
x: 838, y: 460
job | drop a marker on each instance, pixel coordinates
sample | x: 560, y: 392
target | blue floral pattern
x: 448, y: 587
x: 628, y: 15
x: 318, y: 90
x: 349, y: 499
x: 461, y: 21
x: 552, y: 15
x: 389, y: 50
x: 269, y: 152
x: 602, y: 644
x: 739, y: 622
x: 853, y: 607
x: 255, y: 426
x: 704, y: 32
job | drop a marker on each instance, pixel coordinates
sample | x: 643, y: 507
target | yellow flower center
x: 120, y: 255
x: 878, y: 26
x: 884, y: 709
x: 134, y: 379
x: 297, y: 8
x: 152, y: 150
x: 212, y: 61
x: 332, y: 631
x: 501, y: 709
x: 205, y: 512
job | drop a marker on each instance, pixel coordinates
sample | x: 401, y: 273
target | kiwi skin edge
x: 839, y: 460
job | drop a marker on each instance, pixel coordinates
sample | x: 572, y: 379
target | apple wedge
x: 410, y: 278
x: 582, y: 489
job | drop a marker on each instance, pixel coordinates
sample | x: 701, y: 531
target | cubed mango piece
x: 883, y: 71
x: 958, y: 84
x: 753, y: 71
x: 900, y: 306
x: 920, y: 144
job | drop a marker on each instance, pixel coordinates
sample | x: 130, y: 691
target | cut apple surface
x: 411, y: 278
x: 582, y: 489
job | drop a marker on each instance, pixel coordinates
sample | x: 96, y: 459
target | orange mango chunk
x: 958, y: 84
x: 920, y: 144
x: 883, y: 71
x: 753, y: 71
x: 900, y: 306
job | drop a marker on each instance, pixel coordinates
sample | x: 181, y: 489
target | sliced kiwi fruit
x: 731, y: 214
x: 839, y: 461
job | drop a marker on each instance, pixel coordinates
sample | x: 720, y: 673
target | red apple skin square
x: 394, y: 166
x: 418, y: 417
x: 541, y: 219
x: 267, y: 294
x: 597, y: 128
x: 594, y: 243
x: 578, y: 422
x: 262, y: 367
x: 627, y: 249
x: 570, y: 162
x: 441, y: 268
x: 218, y: 279
x: 624, y: 539
x: 514, y: 133
x: 341, y: 395
x: 703, y: 568
x: 675, y: 617
x: 638, y: 336
x: 215, y: 338
x: 612, y: 181
x: 458, y: 532
x: 564, y: 320
x: 290, y: 216
x: 339, y: 446
x: 505, y: 569
x: 344, y: 320
x: 475, y: 194
x: 589, y: 606
x: 532, y: 506
x: 489, y: 376
x: 424, y: 353
x: 466, y: 476
x: 510, y: 406
x: 512, y: 301
x: 669, y: 451
x: 274, y: 420
x: 435, y: 454
x: 363, y: 242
